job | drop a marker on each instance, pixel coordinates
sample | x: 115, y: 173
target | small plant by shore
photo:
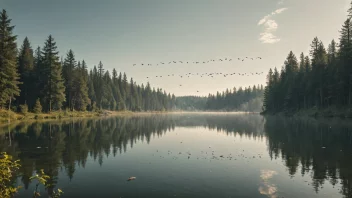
x: 8, y: 168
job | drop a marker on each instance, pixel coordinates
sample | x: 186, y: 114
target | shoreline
x: 10, y: 117
x: 315, y: 113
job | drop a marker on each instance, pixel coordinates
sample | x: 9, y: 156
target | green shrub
x: 24, y: 109
x: 43, y: 179
x: 94, y: 107
x: 7, y: 169
x: 37, y: 107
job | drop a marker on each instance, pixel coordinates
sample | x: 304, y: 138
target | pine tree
x: 350, y: 11
x: 26, y: 70
x: 68, y: 73
x: 120, y: 105
x: 80, y: 87
x: 54, y: 90
x: 9, y: 77
x: 125, y: 91
x: 132, y: 96
x: 99, y: 84
x: 37, y: 107
x: 91, y: 91
x: 345, y: 58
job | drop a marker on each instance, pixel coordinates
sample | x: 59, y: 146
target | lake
x: 186, y: 155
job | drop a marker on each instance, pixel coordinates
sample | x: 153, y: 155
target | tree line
x: 241, y: 99
x: 39, y: 80
x: 322, y: 79
x: 236, y: 99
x: 191, y: 103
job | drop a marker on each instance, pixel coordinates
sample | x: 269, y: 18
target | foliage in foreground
x: 8, y: 169
x: 43, y: 178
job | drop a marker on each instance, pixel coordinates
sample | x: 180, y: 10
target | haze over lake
x: 186, y: 155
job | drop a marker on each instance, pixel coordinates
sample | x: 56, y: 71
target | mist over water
x: 186, y: 155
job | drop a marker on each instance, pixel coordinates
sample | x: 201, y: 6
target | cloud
x: 267, y: 188
x: 267, y: 17
x: 268, y: 38
x: 278, y: 11
x: 280, y: 2
x: 263, y: 20
x: 270, y: 27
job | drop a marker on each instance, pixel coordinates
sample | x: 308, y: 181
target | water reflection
x: 320, y: 149
x: 267, y: 188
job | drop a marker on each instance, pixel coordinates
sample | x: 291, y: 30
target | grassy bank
x: 10, y: 116
x: 331, y: 112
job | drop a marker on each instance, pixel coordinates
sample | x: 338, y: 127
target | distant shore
x: 332, y: 112
x: 10, y: 116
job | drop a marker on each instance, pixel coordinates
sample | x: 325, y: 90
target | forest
x: 322, y: 80
x: 39, y: 80
x: 241, y: 99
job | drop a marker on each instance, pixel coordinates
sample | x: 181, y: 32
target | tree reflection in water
x: 322, y: 149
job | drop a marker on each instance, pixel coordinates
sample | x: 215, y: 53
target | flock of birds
x: 213, y: 74
x: 201, y: 75
x: 200, y: 62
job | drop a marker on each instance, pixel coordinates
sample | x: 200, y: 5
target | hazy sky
x: 121, y: 33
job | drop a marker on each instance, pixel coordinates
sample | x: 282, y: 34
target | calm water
x: 189, y: 155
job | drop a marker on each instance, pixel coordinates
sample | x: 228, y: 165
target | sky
x: 121, y: 33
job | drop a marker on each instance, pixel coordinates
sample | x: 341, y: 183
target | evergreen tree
x: 54, y: 90
x: 99, y: 88
x: 120, y: 105
x: 80, y: 87
x: 325, y: 80
x: 9, y: 77
x: 69, y: 74
x: 27, y: 75
x: 37, y: 107
x: 91, y: 91
x: 125, y: 90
